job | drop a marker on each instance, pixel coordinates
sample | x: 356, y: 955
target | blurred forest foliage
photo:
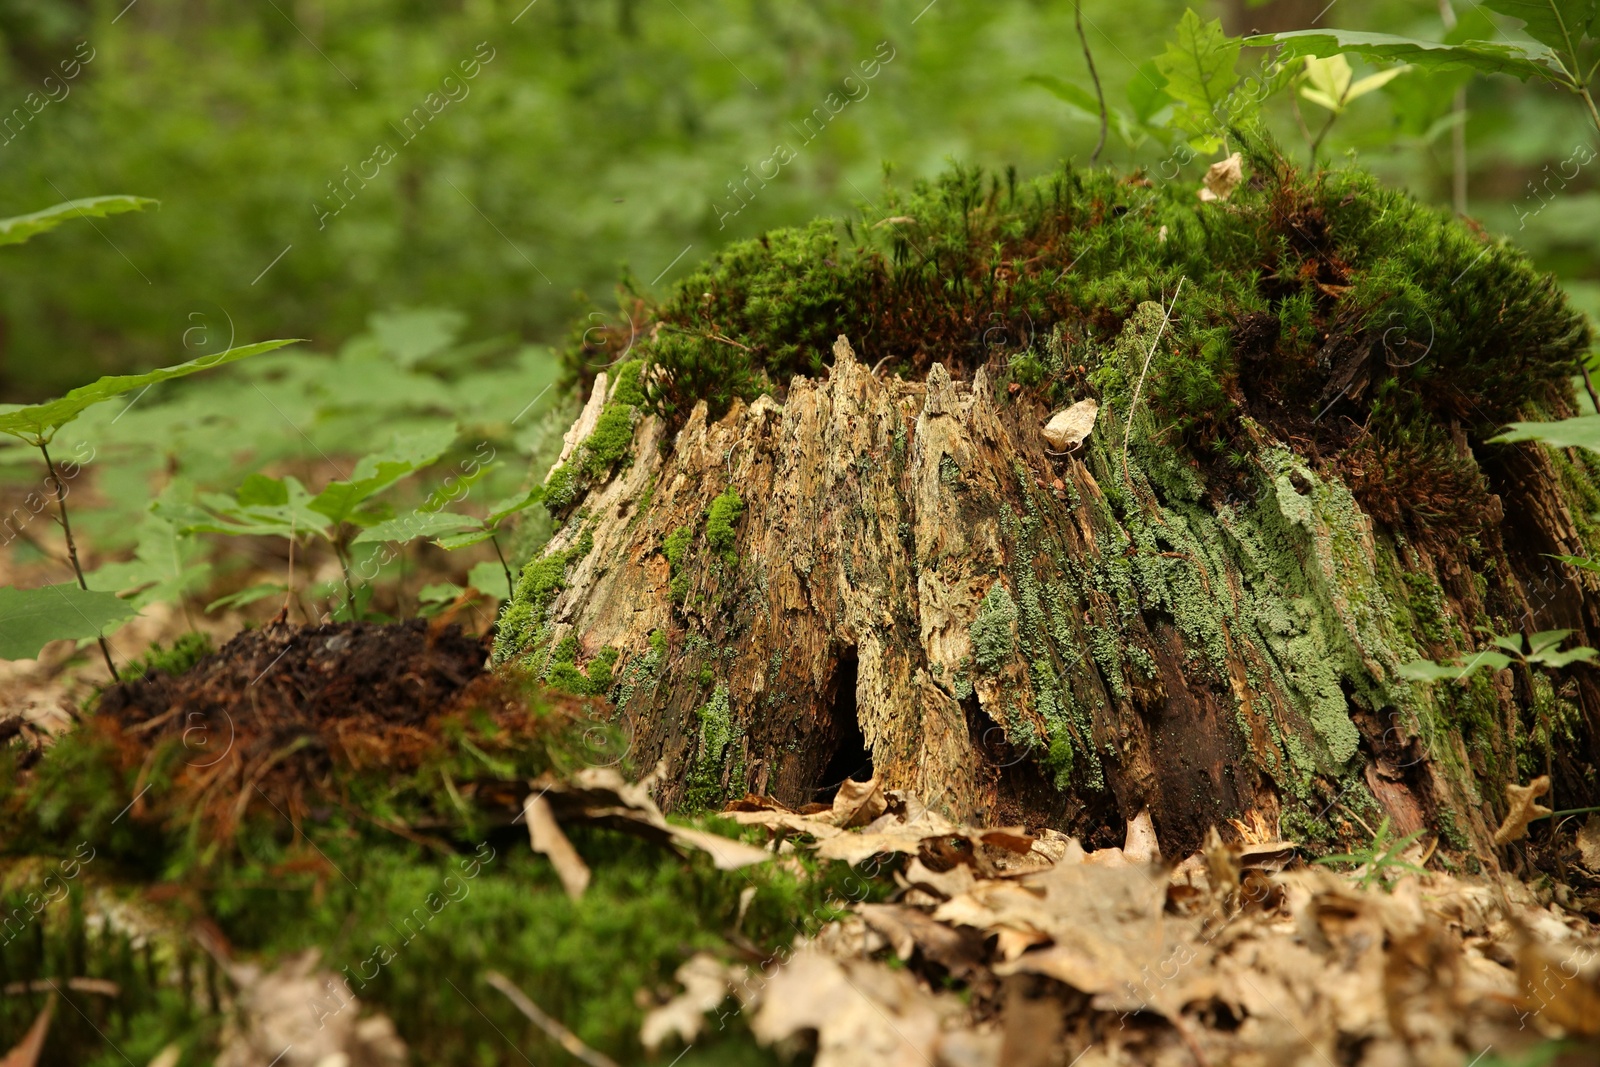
x: 595, y: 136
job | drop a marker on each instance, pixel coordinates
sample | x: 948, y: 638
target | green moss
x: 186, y: 651
x: 676, y: 546
x: 628, y: 390
x: 718, y: 769
x: 721, y: 518
x: 541, y: 580
x: 610, y: 440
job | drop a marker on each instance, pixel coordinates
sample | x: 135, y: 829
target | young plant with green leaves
x: 1331, y: 84
x: 32, y: 618
x: 1542, y: 650
x: 452, y: 531
x: 1564, y: 51
x: 264, y: 506
x: 1379, y: 858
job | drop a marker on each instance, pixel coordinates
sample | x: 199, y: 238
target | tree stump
x: 897, y: 574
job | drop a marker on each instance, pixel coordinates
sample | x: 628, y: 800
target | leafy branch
x: 31, y: 618
x: 1562, y: 53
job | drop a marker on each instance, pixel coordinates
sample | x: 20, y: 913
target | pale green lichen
x: 992, y: 631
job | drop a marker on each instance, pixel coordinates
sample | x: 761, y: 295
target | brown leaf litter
x: 1240, y: 954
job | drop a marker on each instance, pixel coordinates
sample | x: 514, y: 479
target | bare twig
x: 1094, y: 76
x: 553, y: 1027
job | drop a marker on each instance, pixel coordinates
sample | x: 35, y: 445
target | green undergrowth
x: 411, y: 902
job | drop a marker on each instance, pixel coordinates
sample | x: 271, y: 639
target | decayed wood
x: 880, y: 513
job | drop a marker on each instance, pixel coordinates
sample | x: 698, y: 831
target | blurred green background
x: 593, y: 137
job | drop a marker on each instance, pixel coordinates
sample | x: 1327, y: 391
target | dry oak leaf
x: 1523, y: 809
x: 706, y: 983
x: 1222, y: 178
x: 1068, y: 427
x: 864, y: 1014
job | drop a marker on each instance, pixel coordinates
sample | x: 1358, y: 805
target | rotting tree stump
x: 900, y: 575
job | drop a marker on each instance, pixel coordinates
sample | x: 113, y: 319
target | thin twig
x: 72, y: 549
x: 511, y: 586
x: 553, y: 1027
x: 1094, y: 76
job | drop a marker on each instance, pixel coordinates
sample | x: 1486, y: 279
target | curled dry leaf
x: 600, y: 795
x: 1068, y: 427
x: 1222, y: 178
x: 544, y: 833
x: 1524, y: 808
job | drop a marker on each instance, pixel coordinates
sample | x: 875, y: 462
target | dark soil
x: 286, y: 675
x: 302, y: 717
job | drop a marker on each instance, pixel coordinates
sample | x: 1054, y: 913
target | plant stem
x: 1094, y: 76
x: 1317, y: 142
x: 511, y: 586
x: 349, y: 586
x: 72, y: 547
x: 1594, y: 115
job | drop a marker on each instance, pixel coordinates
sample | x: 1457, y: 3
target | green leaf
x: 1579, y: 562
x: 1546, y: 639
x: 32, y: 618
x: 1488, y: 57
x: 415, y: 525
x: 1580, y: 432
x: 165, y: 568
x: 257, y: 509
x: 1074, y: 95
x: 458, y: 487
x: 412, y: 335
x: 1199, y: 63
x: 340, y: 500
x: 19, y: 228
x: 1557, y: 23
x: 1147, y: 93
x: 1373, y: 82
x: 501, y: 510
x: 38, y: 423
x: 1424, y: 670
x: 490, y: 578
x: 464, y: 540
x: 247, y: 596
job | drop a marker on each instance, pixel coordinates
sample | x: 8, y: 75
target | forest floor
x: 871, y: 930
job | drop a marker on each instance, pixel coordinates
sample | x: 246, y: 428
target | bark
x: 916, y: 583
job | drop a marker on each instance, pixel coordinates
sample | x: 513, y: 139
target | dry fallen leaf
x: 1222, y: 178
x: 311, y: 1013
x: 1068, y: 427
x: 864, y: 1014
x: 1523, y: 809
x: 1589, y: 843
x: 706, y: 983
x: 546, y: 837
x: 26, y: 1052
x: 600, y: 795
